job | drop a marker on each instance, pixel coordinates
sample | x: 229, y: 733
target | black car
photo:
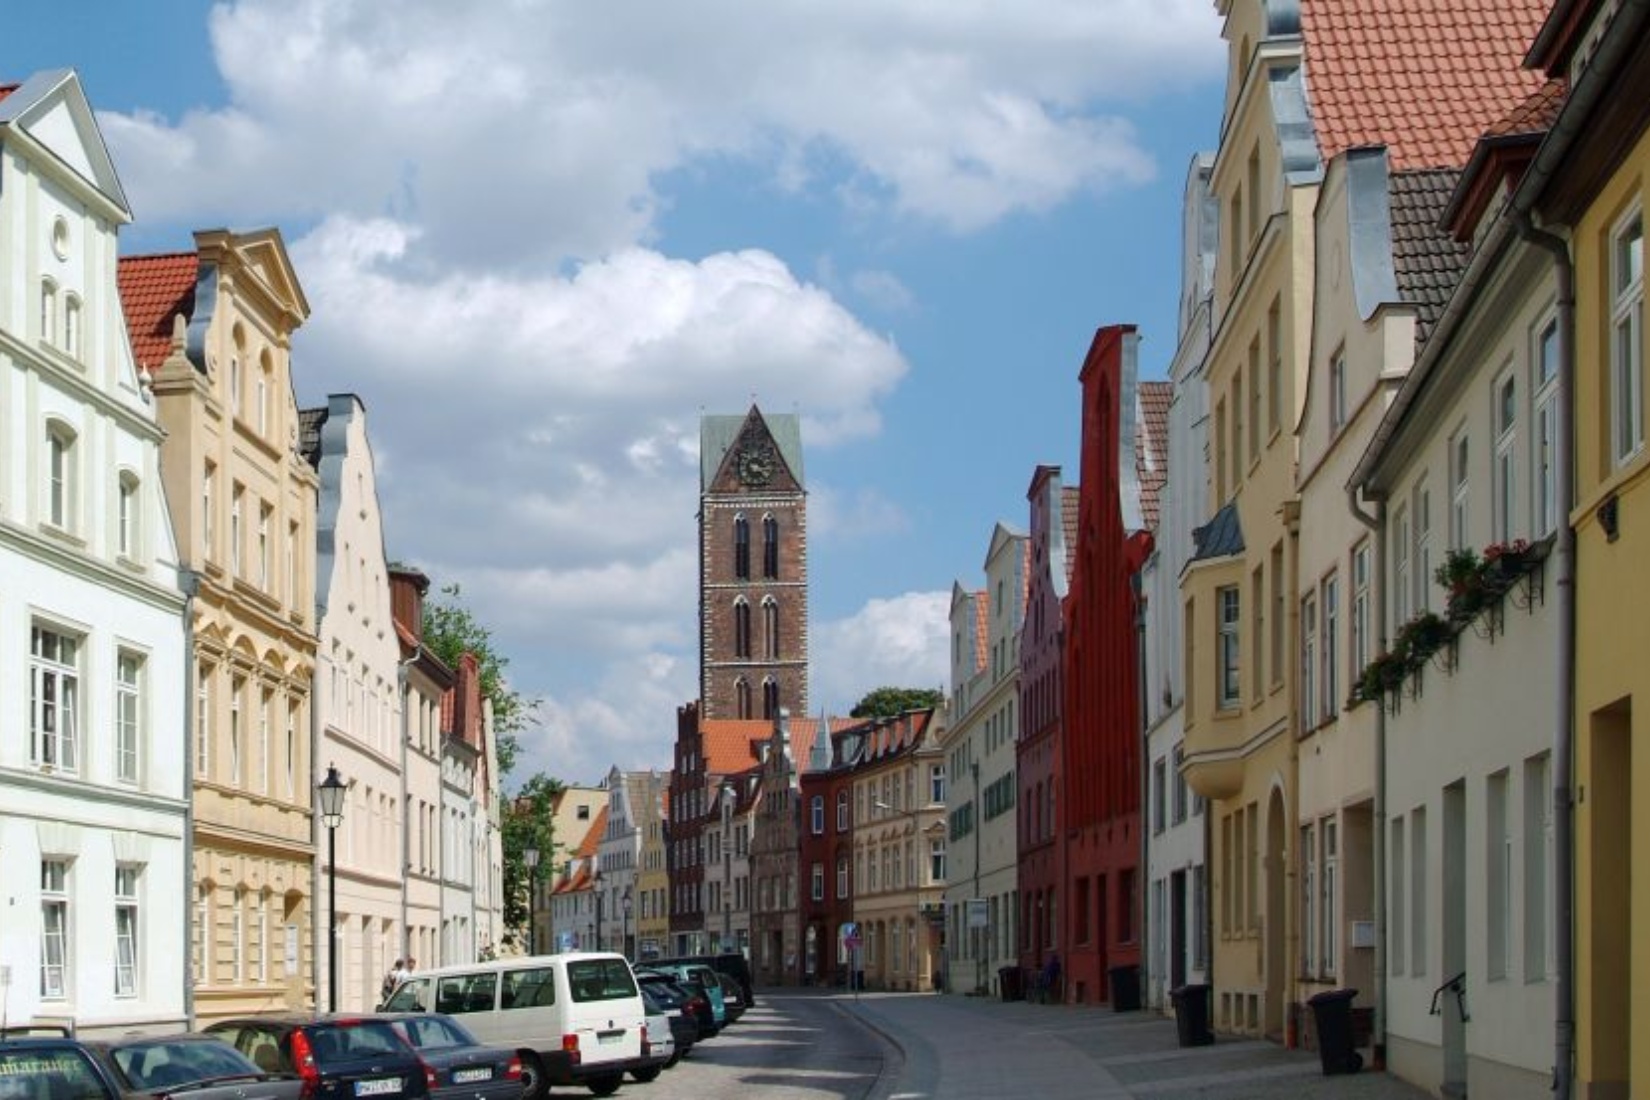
x: 733, y: 996
x: 204, y: 1067
x: 665, y: 999
x: 694, y: 1001
x: 731, y: 963
x: 338, y: 1057
x: 463, y: 1066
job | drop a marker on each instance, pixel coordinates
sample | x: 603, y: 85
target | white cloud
x: 864, y: 513
x: 883, y: 290
x: 900, y: 641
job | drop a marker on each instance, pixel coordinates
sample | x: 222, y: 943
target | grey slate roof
x: 1426, y: 259
x: 309, y: 434
x: 718, y: 433
x: 1221, y: 537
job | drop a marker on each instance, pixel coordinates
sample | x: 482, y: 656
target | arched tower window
x: 741, y: 548
x: 770, y: 698
x: 770, y: 548
x: 742, y: 697
x: 741, y: 628
x: 770, y: 628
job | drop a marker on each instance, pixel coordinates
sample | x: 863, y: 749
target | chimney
x: 407, y: 588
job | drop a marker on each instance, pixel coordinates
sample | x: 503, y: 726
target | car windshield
x: 434, y: 1033
x: 335, y: 1043
x: 65, y: 1071
x: 155, y: 1065
x: 600, y: 979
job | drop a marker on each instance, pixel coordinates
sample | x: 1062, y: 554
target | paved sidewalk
x: 971, y: 1048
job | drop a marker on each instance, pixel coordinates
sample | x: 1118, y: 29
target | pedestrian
x: 391, y: 980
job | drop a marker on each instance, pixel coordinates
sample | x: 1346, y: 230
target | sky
x: 541, y: 238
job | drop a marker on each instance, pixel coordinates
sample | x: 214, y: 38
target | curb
x: 893, y: 1062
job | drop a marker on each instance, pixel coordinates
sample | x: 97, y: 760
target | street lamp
x: 530, y: 857
x: 624, y: 941
x: 330, y: 792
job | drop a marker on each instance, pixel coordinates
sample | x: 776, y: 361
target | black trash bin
x: 1010, y: 985
x: 1332, y: 1013
x: 1191, y: 1015
x: 1125, y: 988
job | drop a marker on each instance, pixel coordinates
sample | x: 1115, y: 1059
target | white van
x: 575, y: 1018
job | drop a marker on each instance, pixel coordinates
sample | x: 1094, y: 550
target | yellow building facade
x: 243, y: 505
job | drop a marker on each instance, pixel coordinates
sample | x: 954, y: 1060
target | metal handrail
x: 1456, y: 985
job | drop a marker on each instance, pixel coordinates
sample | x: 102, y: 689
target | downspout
x: 1376, y: 524
x: 189, y: 583
x: 403, y: 679
x: 1143, y: 770
x: 1563, y: 566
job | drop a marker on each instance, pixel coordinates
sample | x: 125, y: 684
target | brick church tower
x: 753, y: 567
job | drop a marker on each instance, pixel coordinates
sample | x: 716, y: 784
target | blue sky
x: 539, y: 244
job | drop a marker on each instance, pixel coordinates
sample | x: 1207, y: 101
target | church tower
x: 753, y: 567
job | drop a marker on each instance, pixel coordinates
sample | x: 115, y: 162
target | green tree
x: 885, y: 702
x: 528, y: 822
x: 450, y: 630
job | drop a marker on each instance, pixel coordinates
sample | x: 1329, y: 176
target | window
x: 236, y: 504
x: 261, y: 410
x: 936, y: 860
x: 71, y: 325
x: 264, y: 513
x: 1227, y: 601
x: 60, y: 476
x: 128, y: 714
x: 1275, y: 572
x: 126, y: 515
x: 1327, y: 938
x: 1459, y: 484
x: 292, y: 565
x: 1418, y: 893
x: 1397, y: 881
x: 1546, y: 431
x: 237, y: 689
x: 816, y: 814
x: 1274, y: 366
x: 203, y: 933
x: 1337, y: 391
x: 126, y: 930
x: 1423, y: 547
x: 741, y: 548
x: 235, y: 385
x: 1309, y: 902
x: 936, y: 783
x: 1257, y: 630
x: 742, y: 697
x: 1360, y: 606
x: 54, y: 700
x: 208, y: 491
x: 1237, y: 428
x: 1331, y: 646
x: 1178, y: 804
x: 1401, y: 591
x: 1497, y: 877
x: 1310, y: 712
x: 1160, y: 780
x: 770, y: 698
x: 203, y: 719
x: 1538, y: 861
x: 770, y: 628
x: 1627, y: 338
x: 817, y: 882
x: 1505, y: 489
x: 48, y: 311
x: 260, y: 772
x: 770, y: 548
x: 54, y: 929
x: 1254, y: 400
x: 741, y: 628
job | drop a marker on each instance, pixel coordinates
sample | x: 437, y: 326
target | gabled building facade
x: 782, y: 950
x: 94, y: 752
x: 213, y: 328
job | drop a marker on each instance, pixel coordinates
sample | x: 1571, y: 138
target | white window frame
x: 209, y: 479
x: 1310, y: 710
x: 1361, y: 623
x: 1460, y: 494
x: 1330, y: 602
x: 55, y: 929
x: 1229, y: 609
x: 54, y: 698
x: 61, y: 503
x: 128, y: 878
x: 1627, y: 336
x: 1337, y: 390
x: 1328, y: 940
x: 126, y: 515
x: 129, y: 715
x: 1401, y: 588
x: 1504, y: 415
x: 1544, y: 428
x: 1309, y: 900
x: 1422, y: 512
x: 237, y: 500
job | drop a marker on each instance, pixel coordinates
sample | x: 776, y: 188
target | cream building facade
x: 357, y: 716
x: 215, y: 328
x: 93, y: 749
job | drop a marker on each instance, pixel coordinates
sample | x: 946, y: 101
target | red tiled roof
x: 1423, y: 78
x: 1151, y: 446
x: 1069, y: 498
x: 593, y: 836
x: 1535, y: 114
x: 8, y: 89
x: 727, y: 742
x: 153, y: 290
x: 982, y: 623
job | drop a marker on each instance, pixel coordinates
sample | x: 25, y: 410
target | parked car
x: 701, y: 979
x: 337, y: 1057
x: 731, y: 963
x: 664, y: 995
x: 694, y: 1001
x: 733, y: 998
x: 573, y: 1019
x: 200, y: 1066
x: 661, y: 1044
x: 464, y: 1068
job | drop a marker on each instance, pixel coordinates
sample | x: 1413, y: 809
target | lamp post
x: 330, y: 792
x: 530, y: 857
x: 624, y: 941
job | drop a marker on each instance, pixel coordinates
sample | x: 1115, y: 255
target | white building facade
x: 93, y: 748
x: 357, y: 715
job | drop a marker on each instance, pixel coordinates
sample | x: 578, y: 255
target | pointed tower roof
x: 719, y: 435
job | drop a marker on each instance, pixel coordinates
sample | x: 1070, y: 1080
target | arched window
x: 71, y: 325
x: 741, y: 628
x: 126, y: 516
x: 48, y: 311
x: 266, y: 374
x: 741, y: 548
x: 770, y: 628
x: 770, y: 548
x: 742, y: 697
x: 770, y: 698
x: 61, y: 494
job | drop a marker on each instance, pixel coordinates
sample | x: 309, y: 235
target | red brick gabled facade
x: 1098, y: 773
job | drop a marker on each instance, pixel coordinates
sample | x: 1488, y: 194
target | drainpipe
x: 189, y: 583
x: 1143, y: 877
x: 403, y: 680
x: 1563, y: 567
x: 1376, y: 524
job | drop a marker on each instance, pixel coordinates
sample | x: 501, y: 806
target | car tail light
x: 303, y: 1057
x: 647, y: 1047
x: 570, y: 1047
x: 512, y: 1069
x: 429, y: 1075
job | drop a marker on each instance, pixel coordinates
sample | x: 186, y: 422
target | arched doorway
x: 1277, y: 961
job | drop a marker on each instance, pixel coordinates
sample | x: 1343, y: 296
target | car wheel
x: 675, y: 1056
x: 534, y: 1085
x: 606, y: 1086
x: 651, y: 1073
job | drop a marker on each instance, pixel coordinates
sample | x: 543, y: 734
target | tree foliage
x: 528, y: 822
x: 450, y: 630
x: 886, y: 702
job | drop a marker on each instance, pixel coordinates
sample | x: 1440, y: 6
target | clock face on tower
x: 755, y: 464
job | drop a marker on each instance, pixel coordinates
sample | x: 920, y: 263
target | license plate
x: 465, y: 1076
x: 384, y: 1086
x: 607, y: 1037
